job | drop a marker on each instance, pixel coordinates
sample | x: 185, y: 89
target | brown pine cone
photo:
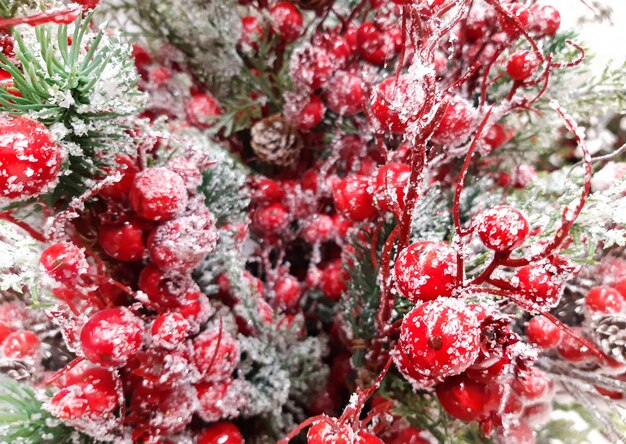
x: 609, y: 332
x: 276, y: 141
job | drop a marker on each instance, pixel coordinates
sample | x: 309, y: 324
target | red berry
x: 531, y: 385
x: 181, y: 244
x: 201, y: 110
x: 604, y: 300
x: 142, y: 57
x: 309, y: 114
x: 88, y: 4
x: 286, y: 21
x: 119, y: 190
x: 158, y: 194
x: 312, y: 66
x: 30, y: 161
x: 88, y: 391
x: 160, y: 75
x: 163, y: 410
x: 573, y: 350
x: 539, y: 286
x: 353, y: 198
x: 543, y: 333
x: 456, y: 124
x: 495, y: 137
x: 271, y: 219
x: 502, y: 228
x: 266, y: 190
x: 546, y: 20
x: 287, y: 292
x: 522, y: 65
x: 5, y: 331
x: 214, y: 400
x: 188, y: 170
x: 426, y: 270
x: 333, y: 280
x: 216, y: 354
x: 463, y: 398
x: 251, y: 33
x: 111, y: 336
x: 407, y: 435
x: 438, y: 339
x: 375, y: 46
x: 321, y: 228
x: 123, y: 242
x: 620, y: 286
x: 322, y: 432
x: 394, y: 103
x: 518, y: 432
x: 169, y: 330
x: 21, y: 345
x: 485, y: 375
x: 517, y: 10
x: 391, y: 182
x: 221, y: 433
x: 344, y: 93
x: 195, y: 308
x: 64, y: 262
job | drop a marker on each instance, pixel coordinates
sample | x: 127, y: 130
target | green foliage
x: 80, y: 90
x: 24, y: 421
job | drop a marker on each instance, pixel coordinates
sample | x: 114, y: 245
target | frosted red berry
x: 287, y: 292
x: 124, y: 242
x: 251, y: 33
x: 390, y: 185
x: 158, y: 194
x: 456, y: 123
x: 202, y: 110
x: 539, y: 286
x: 64, y: 262
x: 531, y: 385
x: 463, y: 398
x: 353, y: 198
x: 286, y: 21
x: 545, y: 20
x: 426, y: 270
x: 332, y: 280
x: 393, y: 103
x: 502, y: 228
x: 111, y: 336
x: 321, y: 228
x: 543, y: 333
x: 119, y: 190
x: 211, y: 396
x: 215, y: 354
x: 375, y: 45
x: 438, y: 339
x: 21, y: 345
x: 30, y: 160
x: 310, y: 113
x: 5, y: 330
x: 573, y: 350
x: 604, y: 300
x: 223, y: 432
x: 510, y: 25
x: 180, y: 244
x: 521, y: 65
x: 163, y: 410
x: 344, y: 93
x: 169, y: 330
x: 271, y: 219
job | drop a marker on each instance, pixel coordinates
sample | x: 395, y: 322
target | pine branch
x: 24, y: 421
x: 80, y: 84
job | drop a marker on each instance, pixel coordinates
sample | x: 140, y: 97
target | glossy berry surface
x: 169, y: 330
x: 539, y: 286
x: 463, y: 398
x: 64, y: 262
x: 605, y: 300
x: 286, y: 21
x: 224, y: 432
x: 545, y: 20
x: 393, y: 103
x: 521, y: 65
x: 287, y: 292
x: 543, y: 333
x: 391, y: 185
x: 573, y: 350
x: 502, y: 228
x: 344, y: 93
x: 310, y: 114
x: 123, y: 242
x: 111, y: 336
x: 426, y: 270
x: 332, y: 281
x: 438, y: 339
x: 353, y: 198
x: 375, y: 45
x: 517, y: 16
x: 21, y: 345
x: 158, y: 194
x: 271, y: 219
x: 216, y: 354
x: 30, y: 160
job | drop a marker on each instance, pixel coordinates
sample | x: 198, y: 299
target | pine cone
x: 609, y: 332
x: 16, y: 369
x: 276, y: 141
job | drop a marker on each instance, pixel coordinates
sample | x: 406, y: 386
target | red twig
x: 38, y: 236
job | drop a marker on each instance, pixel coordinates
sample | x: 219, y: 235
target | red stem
x: 38, y: 236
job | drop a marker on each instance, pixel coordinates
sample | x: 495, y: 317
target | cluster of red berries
x: 17, y: 341
x: 146, y: 345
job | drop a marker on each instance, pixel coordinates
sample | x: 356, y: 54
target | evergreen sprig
x: 24, y: 421
x: 79, y: 84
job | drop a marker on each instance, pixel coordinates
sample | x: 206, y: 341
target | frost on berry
x: 216, y: 354
x: 158, y: 194
x: 438, y: 339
